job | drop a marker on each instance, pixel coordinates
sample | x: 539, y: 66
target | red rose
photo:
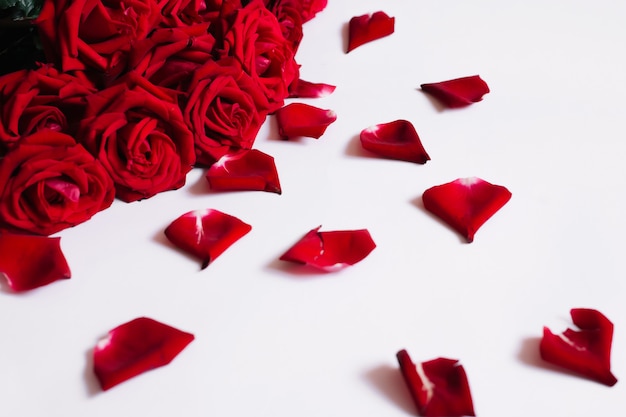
x: 94, y: 34
x: 225, y: 109
x: 179, y: 13
x: 138, y: 134
x: 289, y: 16
x: 51, y: 183
x: 34, y: 100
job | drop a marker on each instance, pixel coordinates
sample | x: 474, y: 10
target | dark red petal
x: 31, y: 261
x: 134, y: 348
x: 331, y: 251
x: 247, y: 169
x: 439, y: 387
x: 395, y: 140
x: 466, y: 203
x: 586, y: 351
x: 206, y: 234
x: 298, y: 119
x: 367, y: 28
x: 306, y: 89
x: 459, y: 92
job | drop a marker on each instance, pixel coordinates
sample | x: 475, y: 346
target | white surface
x: 273, y: 342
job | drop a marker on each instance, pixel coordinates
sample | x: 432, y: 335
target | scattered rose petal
x: 466, y: 203
x: 331, y: 251
x: 305, y: 89
x: 298, y: 119
x: 135, y: 347
x: 586, y: 351
x: 244, y: 170
x: 29, y: 262
x: 395, y: 140
x: 206, y: 234
x: 367, y: 28
x: 439, y: 387
x: 459, y: 92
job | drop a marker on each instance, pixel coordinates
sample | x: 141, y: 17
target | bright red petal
x: 206, y: 234
x: 331, y: 251
x: 587, y: 351
x: 367, y: 28
x: 459, y: 92
x: 298, y: 119
x: 247, y: 169
x: 134, y: 348
x: 395, y: 140
x: 466, y: 203
x: 31, y: 261
x: 439, y: 387
x: 306, y: 89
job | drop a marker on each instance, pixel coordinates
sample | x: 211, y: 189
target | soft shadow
x: 355, y: 148
x: 345, y: 36
x: 419, y: 203
x: 388, y: 381
x: 295, y: 269
x: 92, y: 385
x: 160, y: 238
x: 438, y: 105
x: 529, y: 355
x: 201, y: 186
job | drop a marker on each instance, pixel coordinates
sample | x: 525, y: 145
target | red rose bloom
x: 51, y: 183
x: 137, y: 132
x: 289, y: 16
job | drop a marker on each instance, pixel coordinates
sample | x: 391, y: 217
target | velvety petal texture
x: 298, y: 119
x: 395, y: 140
x: 439, y: 387
x: 206, y: 234
x: 248, y: 169
x: 459, y: 92
x: 586, y: 351
x: 134, y: 348
x: 306, y: 89
x: 466, y: 203
x: 367, y: 28
x: 330, y: 251
x: 29, y: 261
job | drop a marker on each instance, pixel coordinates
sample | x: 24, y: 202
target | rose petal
x: 244, y: 170
x: 466, y: 203
x: 367, y: 28
x: 459, y: 92
x: 305, y: 89
x: 331, y: 251
x: 439, y: 387
x: 587, y: 351
x: 135, y: 347
x: 29, y: 262
x: 298, y: 119
x: 395, y: 140
x: 206, y: 234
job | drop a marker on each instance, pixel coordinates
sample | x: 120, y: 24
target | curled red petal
x: 247, y: 169
x: 206, y: 234
x: 459, y: 92
x: 29, y: 262
x: 331, y: 251
x: 395, y: 140
x: 466, y: 203
x: 367, y: 28
x: 298, y: 119
x: 586, y: 351
x: 305, y: 89
x: 438, y: 387
x: 135, y: 347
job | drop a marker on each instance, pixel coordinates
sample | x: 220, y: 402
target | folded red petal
x: 367, y: 28
x: 29, y: 262
x: 586, y: 351
x: 298, y: 119
x: 206, y: 234
x: 134, y: 348
x: 439, y: 387
x: 248, y: 169
x: 459, y: 92
x: 305, y: 89
x: 331, y: 251
x: 466, y: 203
x: 395, y: 140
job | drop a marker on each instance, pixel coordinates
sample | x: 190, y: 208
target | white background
x: 276, y: 340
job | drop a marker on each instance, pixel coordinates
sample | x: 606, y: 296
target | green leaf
x: 20, y: 9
